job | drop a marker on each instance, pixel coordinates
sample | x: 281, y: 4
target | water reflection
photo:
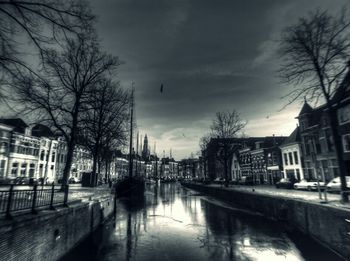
x: 172, y: 223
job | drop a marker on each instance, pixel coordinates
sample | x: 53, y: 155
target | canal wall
x: 328, y: 225
x: 51, y: 234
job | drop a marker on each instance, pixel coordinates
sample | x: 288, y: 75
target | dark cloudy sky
x: 210, y: 55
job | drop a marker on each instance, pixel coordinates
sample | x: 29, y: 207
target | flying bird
x: 161, y: 88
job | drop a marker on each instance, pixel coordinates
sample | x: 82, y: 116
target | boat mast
x: 131, y: 130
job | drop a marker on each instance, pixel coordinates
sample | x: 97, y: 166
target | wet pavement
x: 173, y: 223
x: 333, y: 199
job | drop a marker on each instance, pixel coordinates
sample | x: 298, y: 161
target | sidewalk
x: 309, y: 196
x: 77, y: 192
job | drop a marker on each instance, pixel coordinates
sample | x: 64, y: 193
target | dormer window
x: 303, y: 124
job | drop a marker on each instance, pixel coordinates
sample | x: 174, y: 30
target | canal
x: 173, y: 223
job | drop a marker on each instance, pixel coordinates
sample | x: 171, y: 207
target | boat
x: 130, y: 186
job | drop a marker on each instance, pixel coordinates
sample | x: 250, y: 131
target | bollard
x: 35, y: 193
x: 9, y: 203
x: 52, y: 196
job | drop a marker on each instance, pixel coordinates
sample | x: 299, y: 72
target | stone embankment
x: 329, y: 225
x: 51, y: 234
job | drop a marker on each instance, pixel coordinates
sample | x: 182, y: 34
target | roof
x: 18, y: 124
x: 40, y: 130
x: 250, y: 142
x: 344, y: 89
x: 294, y: 137
x: 305, y: 109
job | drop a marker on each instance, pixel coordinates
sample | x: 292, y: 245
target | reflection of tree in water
x: 136, y: 224
x: 167, y: 192
x: 191, y: 204
x: 227, y: 232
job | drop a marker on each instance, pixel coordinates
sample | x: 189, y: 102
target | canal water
x: 173, y: 223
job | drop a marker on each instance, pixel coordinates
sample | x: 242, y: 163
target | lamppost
x: 314, y: 160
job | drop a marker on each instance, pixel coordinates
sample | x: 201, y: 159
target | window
x: 53, y: 156
x: 329, y: 139
x: 325, y: 121
x: 41, y: 170
x: 274, y: 158
x: 14, y: 169
x: 23, y: 169
x: 31, y: 170
x: 290, y: 158
x: 346, y: 142
x: 344, y: 114
x: 298, y: 174
x: 285, y: 158
x: 2, y: 168
x: 42, y: 155
x: 296, y: 158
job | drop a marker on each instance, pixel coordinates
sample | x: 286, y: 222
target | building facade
x: 292, y: 157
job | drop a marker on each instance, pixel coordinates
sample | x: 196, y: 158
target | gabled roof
x: 305, y: 109
x: 294, y: 137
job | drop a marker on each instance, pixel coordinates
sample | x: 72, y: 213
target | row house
x: 292, y: 157
x: 341, y: 101
x: 5, y: 139
x: 36, y: 152
x: 48, y: 152
x: 23, y: 150
x: 257, y: 157
x: 236, y: 173
x: 261, y: 159
x: 82, y: 161
x: 317, y: 143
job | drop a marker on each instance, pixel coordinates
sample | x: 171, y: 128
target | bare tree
x: 59, y: 95
x: 204, y: 141
x: 225, y: 126
x: 203, y: 145
x: 316, y: 51
x: 103, y: 125
x: 40, y: 21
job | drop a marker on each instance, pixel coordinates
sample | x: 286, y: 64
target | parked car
x: 246, y: 180
x: 50, y: 181
x: 334, y: 184
x: 286, y: 183
x: 25, y: 181
x: 309, y: 185
x: 73, y: 180
x: 219, y: 181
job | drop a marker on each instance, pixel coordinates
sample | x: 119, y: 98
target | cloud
x: 209, y: 56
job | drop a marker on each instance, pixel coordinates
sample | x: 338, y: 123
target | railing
x: 16, y: 198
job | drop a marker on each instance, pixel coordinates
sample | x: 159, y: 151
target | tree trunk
x: 94, y: 168
x: 71, y: 146
x: 225, y: 165
x: 106, y: 171
x: 67, y: 167
x: 99, y: 169
x: 339, y: 152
